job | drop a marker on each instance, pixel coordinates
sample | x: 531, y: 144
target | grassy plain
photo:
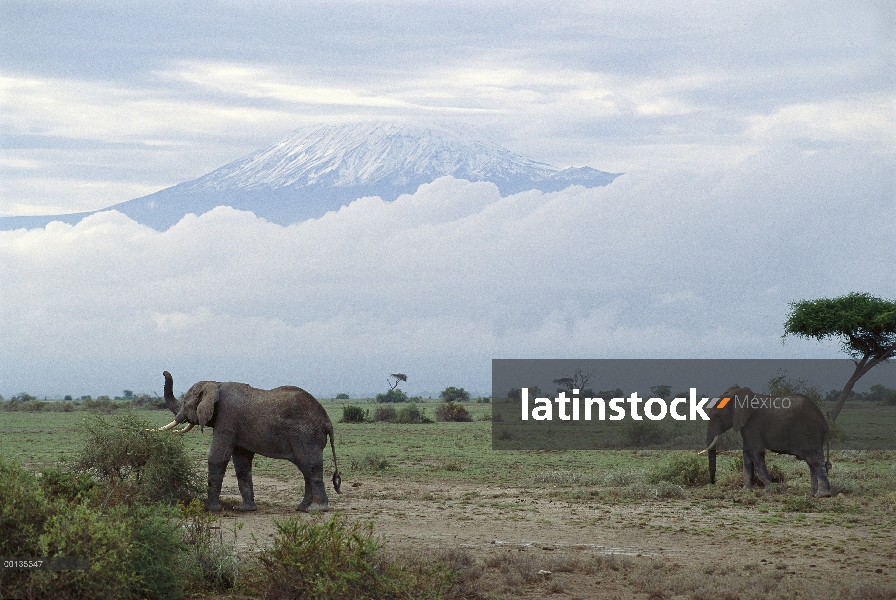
x: 422, y: 484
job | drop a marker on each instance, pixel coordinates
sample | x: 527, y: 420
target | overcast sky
x: 757, y: 142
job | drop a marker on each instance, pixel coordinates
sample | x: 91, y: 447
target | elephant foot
x: 213, y: 506
x: 826, y: 494
x: 247, y: 507
x: 313, y: 507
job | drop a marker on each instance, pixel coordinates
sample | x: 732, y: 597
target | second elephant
x: 787, y: 425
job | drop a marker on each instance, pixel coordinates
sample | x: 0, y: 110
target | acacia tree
x: 398, y: 377
x: 865, y: 325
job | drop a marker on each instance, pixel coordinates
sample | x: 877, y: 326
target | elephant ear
x: 740, y: 399
x: 206, y: 407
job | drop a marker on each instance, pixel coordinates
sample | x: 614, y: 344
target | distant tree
x: 453, y: 394
x: 342, y: 396
x: 127, y: 394
x: 578, y: 381
x: 398, y: 377
x: 864, y: 324
x: 661, y: 391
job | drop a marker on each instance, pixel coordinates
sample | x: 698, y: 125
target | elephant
x: 786, y: 425
x: 286, y: 422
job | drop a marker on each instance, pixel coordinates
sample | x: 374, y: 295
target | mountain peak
x: 371, y: 153
x: 314, y: 170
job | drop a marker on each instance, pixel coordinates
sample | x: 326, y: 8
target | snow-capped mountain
x: 318, y: 169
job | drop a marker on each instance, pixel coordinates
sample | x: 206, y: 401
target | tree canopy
x: 864, y: 324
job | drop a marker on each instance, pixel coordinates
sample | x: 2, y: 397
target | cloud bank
x: 439, y: 282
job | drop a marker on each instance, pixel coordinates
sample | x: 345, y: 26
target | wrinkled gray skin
x: 800, y: 430
x: 286, y: 422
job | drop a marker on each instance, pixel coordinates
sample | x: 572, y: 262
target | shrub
x: 395, y: 395
x: 66, y: 486
x: 23, y: 511
x: 136, y: 465
x: 211, y: 560
x: 412, y: 414
x: 643, y: 433
x: 353, y: 414
x: 130, y: 551
x: 686, y: 470
x: 385, y: 414
x: 449, y: 411
x: 335, y: 559
x: 453, y: 394
x: 157, y: 552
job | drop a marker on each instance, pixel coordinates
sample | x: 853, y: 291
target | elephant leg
x: 315, y: 498
x: 748, y: 470
x: 218, y: 456
x: 242, y: 464
x: 821, y: 485
x: 761, y: 470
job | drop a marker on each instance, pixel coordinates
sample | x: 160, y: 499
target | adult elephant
x: 286, y: 422
x: 787, y: 425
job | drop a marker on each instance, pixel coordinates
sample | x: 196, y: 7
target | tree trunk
x: 863, y: 366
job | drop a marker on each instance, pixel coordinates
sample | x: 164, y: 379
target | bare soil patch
x: 507, y: 535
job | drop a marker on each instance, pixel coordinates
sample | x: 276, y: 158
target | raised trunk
x: 170, y: 401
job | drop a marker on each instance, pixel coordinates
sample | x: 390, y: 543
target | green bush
x: 453, y: 394
x: 385, y: 414
x: 129, y: 550
x: 66, y: 486
x: 449, y: 411
x: 643, y: 433
x: 686, y: 470
x: 336, y: 559
x: 353, y: 414
x: 104, y: 538
x: 211, y: 563
x: 23, y: 511
x: 135, y: 465
x: 412, y: 414
x: 158, y: 552
x: 395, y: 395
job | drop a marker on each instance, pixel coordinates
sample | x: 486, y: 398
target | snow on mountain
x: 365, y: 153
x: 317, y: 169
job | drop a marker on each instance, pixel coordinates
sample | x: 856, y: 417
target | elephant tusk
x: 712, y: 445
x: 185, y: 429
x: 170, y: 425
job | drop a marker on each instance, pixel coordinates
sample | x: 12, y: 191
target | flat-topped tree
x: 865, y: 325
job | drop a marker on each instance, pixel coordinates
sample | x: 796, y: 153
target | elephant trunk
x: 710, y: 451
x: 170, y: 401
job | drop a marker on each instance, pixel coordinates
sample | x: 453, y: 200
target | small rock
x: 545, y: 575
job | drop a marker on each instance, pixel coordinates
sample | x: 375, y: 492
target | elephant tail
x: 337, y: 478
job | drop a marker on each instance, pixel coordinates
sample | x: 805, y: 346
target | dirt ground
x: 495, y: 525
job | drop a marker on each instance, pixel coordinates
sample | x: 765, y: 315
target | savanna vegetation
x: 122, y: 497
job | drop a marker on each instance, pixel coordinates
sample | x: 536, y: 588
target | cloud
x: 439, y: 282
